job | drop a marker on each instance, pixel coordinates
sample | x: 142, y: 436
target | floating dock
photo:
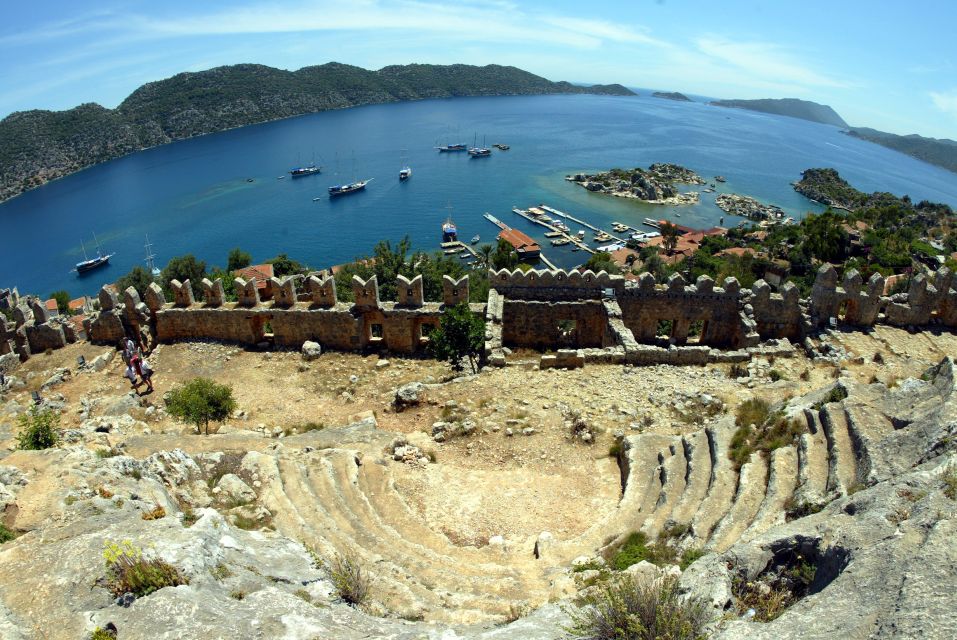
x: 562, y: 214
x: 553, y: 231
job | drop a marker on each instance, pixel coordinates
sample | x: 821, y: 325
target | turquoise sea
x: 195, y: 196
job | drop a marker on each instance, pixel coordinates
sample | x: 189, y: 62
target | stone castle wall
x: 585, y: 316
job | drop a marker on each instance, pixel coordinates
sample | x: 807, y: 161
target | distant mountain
x: 942, y: 153
x: 792, y: 107
x: 671, y: 95
x: 38, y: 146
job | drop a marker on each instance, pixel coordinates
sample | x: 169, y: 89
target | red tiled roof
x: 620, y: 256
x: 737, y: 251
x: 77, y: 304
x: 519, y: 240
x: 261, y: 272
x: 50, y: 304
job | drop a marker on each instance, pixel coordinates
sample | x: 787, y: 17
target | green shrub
x: 775, y: 375
x: 128, y: 571
x: 460, y: 336
x: 351, y: 582
x: 101, y: 634
x: 5, y: 534
x: 38, y: 429
x: 950, y: 482
x: 689, y: 556
x: 770, y: 431
x: 754, y: 411
x: 199, y: 401
x: 221, y: 572
x: 636, y: 548
x: 615, y: 450
x: 631, y: 609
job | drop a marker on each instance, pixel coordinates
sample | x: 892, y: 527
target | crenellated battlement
x: 553, y: 284
x: 639, y: 321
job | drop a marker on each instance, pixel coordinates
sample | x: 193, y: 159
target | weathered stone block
x: 108, y: 299
x: 131, y: 298
x: 40, y: 313
x: 365, y: 293
x: 284, y: 291
x: 455, y: 291
x: 22, y: 315
x: 246, y: 292
x: 322, y: 291
x: 182, y: 293
x: 155, y: 298
x: 213, y: 292
x: 45, y: 336
x: 410, y: 292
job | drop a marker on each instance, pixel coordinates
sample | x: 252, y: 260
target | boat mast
x: 83, y: 247
x: 95, y: 239
x: 154, y: 272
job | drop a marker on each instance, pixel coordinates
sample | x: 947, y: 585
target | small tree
x: 199, y: 401
x: 602, y: 261
x: 238, y: 259
x: 138, y: 278
x: 185, y: 268
x: 669, y: 233
x: 504, y: 256
x: 460, y: 335
x: 39, y: 429
x: 62, y: 301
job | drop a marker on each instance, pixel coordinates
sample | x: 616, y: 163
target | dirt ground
x: 489, y: 483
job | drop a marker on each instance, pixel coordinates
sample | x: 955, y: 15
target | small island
x: 748, y: 207
x: 654, y: 185
x: 671, y: 95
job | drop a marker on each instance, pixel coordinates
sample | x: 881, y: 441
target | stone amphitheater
x: 862, y: 494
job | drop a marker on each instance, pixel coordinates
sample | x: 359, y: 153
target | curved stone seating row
x: 690, y: 481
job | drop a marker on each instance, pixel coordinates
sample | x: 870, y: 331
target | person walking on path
x: 144, y: 371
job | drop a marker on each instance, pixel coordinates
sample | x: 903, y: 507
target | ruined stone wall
x: 548, y: 325
x: 286, y: 322
x: 714, y: 313
x: 599, y: 315
x: 776, y: 315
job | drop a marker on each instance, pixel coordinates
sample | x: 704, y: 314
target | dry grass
x: 631, y: 609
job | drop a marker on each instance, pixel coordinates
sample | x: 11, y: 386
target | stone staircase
x: 341, y: 500
x: 689, y: 481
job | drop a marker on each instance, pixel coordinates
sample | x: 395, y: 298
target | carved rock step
x: 672, y: 475
x: 453, y: 583
x: 752, y: 486
x: 842, y: 468
x: 812, y: 460
x: 781, y: 484
x: 698, y: 464
x: 644, y: 453
x: 723, y: 481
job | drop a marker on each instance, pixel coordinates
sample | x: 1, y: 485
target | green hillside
x: 38, y: 146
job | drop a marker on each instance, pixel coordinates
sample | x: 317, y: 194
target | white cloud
x: 946, y: 102
x: 605, y: 30
x: 764, y: 61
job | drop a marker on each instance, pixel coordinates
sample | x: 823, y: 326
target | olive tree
x: 460, y: 335
x: 199, y: 401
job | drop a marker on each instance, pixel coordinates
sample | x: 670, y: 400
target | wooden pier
x: 553, y: 231
x: 562, y: 214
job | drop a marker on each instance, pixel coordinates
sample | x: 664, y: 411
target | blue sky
x: 889, y: 65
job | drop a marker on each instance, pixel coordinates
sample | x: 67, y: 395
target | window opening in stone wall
x: 375, y: 331
x: 696, y: 331
x: 566, y: 331
x: 663, y: 330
